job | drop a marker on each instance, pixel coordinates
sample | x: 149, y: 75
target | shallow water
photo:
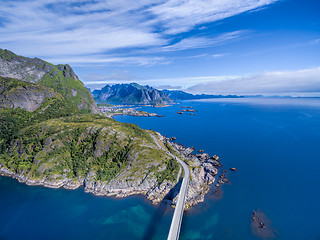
x: 274, y: 146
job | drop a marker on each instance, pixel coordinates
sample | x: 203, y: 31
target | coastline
x: 202, y: 172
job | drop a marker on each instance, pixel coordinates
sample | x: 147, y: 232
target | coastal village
x: 132, y: 110
x: 113, y: 110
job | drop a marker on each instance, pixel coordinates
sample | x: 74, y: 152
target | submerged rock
x: 261, y: 225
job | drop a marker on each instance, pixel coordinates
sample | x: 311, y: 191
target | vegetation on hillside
x: 61, y: 139
x: 72, y: 146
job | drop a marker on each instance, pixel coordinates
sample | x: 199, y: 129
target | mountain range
x: 181, y: 95
x: 132, y: 93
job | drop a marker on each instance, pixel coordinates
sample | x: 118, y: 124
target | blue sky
x: 220, y: 47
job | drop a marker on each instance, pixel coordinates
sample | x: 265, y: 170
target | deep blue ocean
x: 273, y: 142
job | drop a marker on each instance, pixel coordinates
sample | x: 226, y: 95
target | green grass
x: 62, y: 139
x: 104, y: 105
x: 56, y: 80
x: 67, y: 146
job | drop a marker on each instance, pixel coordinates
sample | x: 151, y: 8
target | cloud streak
x: 52, y: 28
x: 304, y: 82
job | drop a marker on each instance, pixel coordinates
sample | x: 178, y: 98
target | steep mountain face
x: 60, y: 78
x: 24, y: 95
x: 130, y: 94
x: 22, y: 68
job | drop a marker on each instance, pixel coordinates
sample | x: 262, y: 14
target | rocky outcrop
x: 188, y: 151
x: 28, y: 96
x: 22, y: 68
x: 67, y: 71
x: 202, y: 171
x: 61, y: 78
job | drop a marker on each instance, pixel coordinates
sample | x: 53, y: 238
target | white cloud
x: 103, y: 60
x: 99, y: 80
x: 219, y: 55
x: 51, y: 28
x: 203, y: 42
x: 295, y: 83
x: 182, y: 15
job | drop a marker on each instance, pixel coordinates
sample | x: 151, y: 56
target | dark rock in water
x: 225, y: 180
x: 217, y: 193
x: 173, y: 138
x: 202, y: 156
x: 215, y: 157
x: 233, y: 169
x: 188, y: 110
x: 210, y: 169
x: 224, y: 171
x: 261, y: 225
x: 200, y: 151
x: 214, y: 163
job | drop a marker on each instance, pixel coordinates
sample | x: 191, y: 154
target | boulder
x: 210, y: 169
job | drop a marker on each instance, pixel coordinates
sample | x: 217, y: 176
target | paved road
x: 178, y: 211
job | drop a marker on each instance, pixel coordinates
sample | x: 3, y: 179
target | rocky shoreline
x: 203, y: 170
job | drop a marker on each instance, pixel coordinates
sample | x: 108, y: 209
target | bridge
x: 178, y: 211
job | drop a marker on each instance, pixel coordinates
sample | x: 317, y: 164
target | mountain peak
x: 60, y: 78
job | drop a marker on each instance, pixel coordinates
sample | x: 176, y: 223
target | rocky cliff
x: 28, y: 96
x: 132, y: 93
x: 60, y: 78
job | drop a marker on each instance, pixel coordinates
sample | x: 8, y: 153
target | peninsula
x: 52, y: 134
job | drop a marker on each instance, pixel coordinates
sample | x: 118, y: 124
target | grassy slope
x: 64, y: 84
x: 59, y: 141
x: 73, y: 146
x: 61, y: 78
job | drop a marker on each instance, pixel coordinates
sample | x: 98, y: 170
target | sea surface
x: 273, y: 142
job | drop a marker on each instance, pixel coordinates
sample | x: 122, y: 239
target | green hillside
x: 48, y: 132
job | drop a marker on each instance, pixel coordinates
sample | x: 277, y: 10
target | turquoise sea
x: 273, y: 142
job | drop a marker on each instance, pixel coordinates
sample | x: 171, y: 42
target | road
x: 178, y: 211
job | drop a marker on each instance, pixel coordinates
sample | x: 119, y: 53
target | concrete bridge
x: 178, y: 211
